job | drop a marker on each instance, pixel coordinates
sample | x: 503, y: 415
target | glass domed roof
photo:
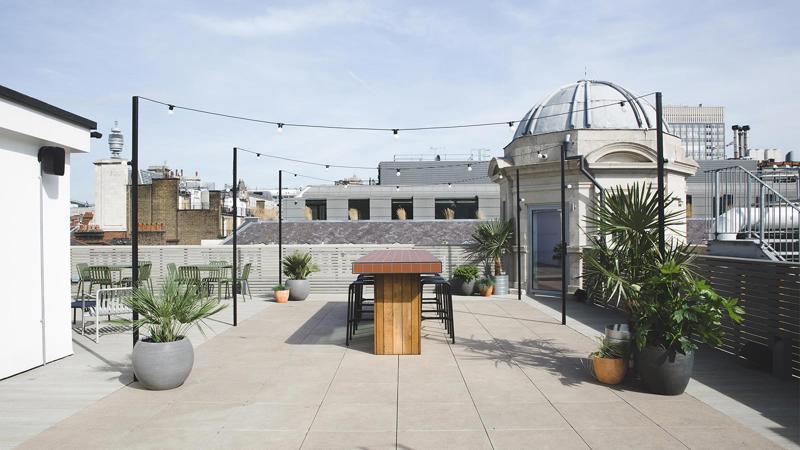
x: 588, y: 104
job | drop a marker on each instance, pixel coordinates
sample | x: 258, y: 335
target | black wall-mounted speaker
x: 52, y: 160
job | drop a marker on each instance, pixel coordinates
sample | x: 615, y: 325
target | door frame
x: 529, y: 245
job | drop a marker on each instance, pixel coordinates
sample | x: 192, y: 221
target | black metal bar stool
x: 442, y: 301
x: 357, y: 304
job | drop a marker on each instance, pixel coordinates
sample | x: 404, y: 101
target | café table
x: 398, y: 297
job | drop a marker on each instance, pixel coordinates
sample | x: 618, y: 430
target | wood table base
x: 397, y: 314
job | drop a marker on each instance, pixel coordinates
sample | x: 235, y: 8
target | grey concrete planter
x: 500, y: 285
x: 462, y: 287
x: 163, y: 365
x: 662, y: 372
x: 298, y: 289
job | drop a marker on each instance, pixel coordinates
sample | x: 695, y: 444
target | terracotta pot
x: 486, y: 291
x: 281, y: 296
x: 609, y: 370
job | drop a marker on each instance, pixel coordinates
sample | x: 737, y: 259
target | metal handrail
x: 790, y: 202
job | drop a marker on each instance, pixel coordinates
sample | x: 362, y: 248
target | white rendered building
x: 35, y: 268
x: 614, y: 132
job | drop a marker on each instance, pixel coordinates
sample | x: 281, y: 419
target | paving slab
x: 515, y: 378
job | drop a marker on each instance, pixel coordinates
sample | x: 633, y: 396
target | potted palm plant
x: 281, y: 293
x: 464, y: 279
x: 623, y: 232
x: 297, y: 267
x: 164, y: 358
x: 609, y: 363
x: 491, y: 241
x: 668, y: 308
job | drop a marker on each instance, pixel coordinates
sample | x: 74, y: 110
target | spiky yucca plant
x: 492, y: 239
x: 623, y: 232
x: 298, y: 266
x: 168, y: 315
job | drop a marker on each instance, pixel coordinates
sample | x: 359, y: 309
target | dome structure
x: 588, y: 104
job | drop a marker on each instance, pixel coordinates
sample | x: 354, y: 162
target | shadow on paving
x: 542, y: 354
x: 775, y: 399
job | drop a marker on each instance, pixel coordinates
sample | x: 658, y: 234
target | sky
x: 392, y: 64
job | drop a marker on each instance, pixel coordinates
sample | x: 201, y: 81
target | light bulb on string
x: 171, y: 109
x: 469, y: 167
x: 398, y: 172
x: 501, y: 176
x: 397, y: 188
x: 450, y: 185
x: 280, y: 128
x: 327, y: 166
x: 396, y: 134
x: 258, y: 155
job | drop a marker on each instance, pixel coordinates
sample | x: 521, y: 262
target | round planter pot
x: 500, y: 285
x: 163, y: 365
x: 298, y: 289
x: 487, y: 291
x: 281, y: 296
x: 462, y: 287
x: 663, y: 372
x: 609, y: 370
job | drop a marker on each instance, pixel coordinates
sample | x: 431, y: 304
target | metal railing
x: 761, y: 207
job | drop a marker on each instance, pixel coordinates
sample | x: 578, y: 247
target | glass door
x: 545, y: 242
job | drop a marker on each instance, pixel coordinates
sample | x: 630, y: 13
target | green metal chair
x: 83, y: 278
x: 144, y: 277
x: 189, y: 276
x: 242, y: 280
x: 100, y: 276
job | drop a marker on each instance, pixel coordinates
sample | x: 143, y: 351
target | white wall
x: 111, y: 194
x: 34, y: 235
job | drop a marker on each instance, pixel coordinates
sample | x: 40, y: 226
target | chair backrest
x: 245, y: 272
x: 83, y: 272
x: 189, y: 274
x: 100, y: 274
x: 172, y: 270
x: 144, y: 271
x: 112, y: 301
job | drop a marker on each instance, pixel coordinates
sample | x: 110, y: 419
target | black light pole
x: 135, y: 207
x: 660, y: 165
x: 280, y: 225
x: 565, y: 148
x: 519, y: 244
x: 235, y: 198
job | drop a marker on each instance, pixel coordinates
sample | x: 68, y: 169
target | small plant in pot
x: 297, y: 267
x: 486, y: 286
x: 609, y: 363
x: 464, y: 278
x: 491, y: 241
x: 164, y: 358
x: 281, y: 293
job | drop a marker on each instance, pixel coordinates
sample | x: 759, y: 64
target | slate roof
x: 417, y: 232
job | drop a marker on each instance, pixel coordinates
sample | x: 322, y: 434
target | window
x: 407, y: 206
x: 688, y: 206
x: 316, y: 210
x: 457, y: 208
x: 358, y: 209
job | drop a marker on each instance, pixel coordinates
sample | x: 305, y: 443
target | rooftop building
x: 701, y: 129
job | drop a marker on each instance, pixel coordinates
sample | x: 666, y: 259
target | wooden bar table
x: 398, y: 298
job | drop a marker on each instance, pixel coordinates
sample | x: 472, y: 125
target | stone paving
x: 283, y: 379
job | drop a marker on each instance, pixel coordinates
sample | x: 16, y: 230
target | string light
x: 501, y: 176
x: 398, y: 172
x: 280, y: 127
x: 469, y: 167
x: 327, y: 166
x: 171, y: 109
x: 258, y: 155
x: 511, y: 124
x: 396, y: 133
x: 450, y: 185
x: 397, y: 188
